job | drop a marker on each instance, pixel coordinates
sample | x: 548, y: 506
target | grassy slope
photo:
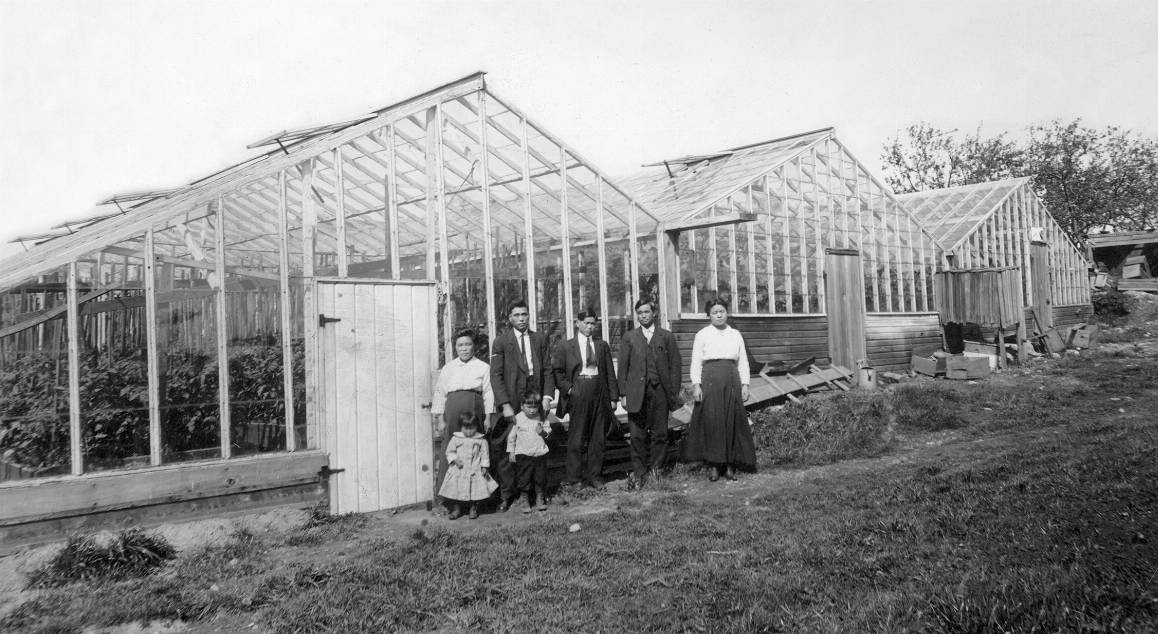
x: 1034, y: 511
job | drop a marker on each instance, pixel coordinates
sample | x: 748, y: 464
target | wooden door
x: 844, y: 299
x: 377, y: 351
x: 1040, y: 297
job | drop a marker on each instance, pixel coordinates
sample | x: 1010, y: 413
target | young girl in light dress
x: 467, y: 480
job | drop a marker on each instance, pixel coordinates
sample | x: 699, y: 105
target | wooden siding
x: 891, y: 339
x: 1072, y: 315
x: 787, y: 339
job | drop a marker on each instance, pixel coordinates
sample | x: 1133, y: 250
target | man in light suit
x: 519, y: 364
x: 650, y: 369
x: 585, y: 377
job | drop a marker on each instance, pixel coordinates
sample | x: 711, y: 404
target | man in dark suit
x: 650, y: 369
x: 518, y: 365
x: 585, y: 377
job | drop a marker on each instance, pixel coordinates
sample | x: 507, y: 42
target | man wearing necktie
x: 587, y: 392
x: 518, y: 366
x: 650, y: 369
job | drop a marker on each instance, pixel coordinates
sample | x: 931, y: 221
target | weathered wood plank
x: 36, y: 500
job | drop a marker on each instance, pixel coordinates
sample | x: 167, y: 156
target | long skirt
x: 719, y: 432
x: 458, y: 403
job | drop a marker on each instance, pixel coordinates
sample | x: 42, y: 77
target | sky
x: 99, y: 97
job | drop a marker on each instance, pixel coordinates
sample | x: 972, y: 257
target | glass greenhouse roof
x: 953, y: 213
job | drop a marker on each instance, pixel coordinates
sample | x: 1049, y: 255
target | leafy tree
x: 930, y: 158
x: 1086, y: 177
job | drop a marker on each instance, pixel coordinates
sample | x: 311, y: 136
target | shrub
x: 822, y: 429
x: 132, y: 553
x: 1109, y: 303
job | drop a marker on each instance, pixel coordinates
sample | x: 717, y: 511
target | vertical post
x: 154, y: 382
x: 395, y: 271
x: 340, y: 213
x: 768, y: 244
x: 222, y: 334
x: 601, y: 260
x: 309, y: 300
x: 787, y: 236
x: 287, y: 354
x: 528, y: 229
x: 733, y: 265
x: 667, y: 248
x: 633, y: 259
x: 750, y: 230
x: 488, y: 250
x: 713, y: 262
x: 568, y: 303
x: 431, y: 151
x: 74, y: 430
x: 819, y: 250
x: 444, y: 247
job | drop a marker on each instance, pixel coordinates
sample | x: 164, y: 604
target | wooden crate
x: 962, y: 367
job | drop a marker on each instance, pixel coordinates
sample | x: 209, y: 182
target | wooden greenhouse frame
x: 141, y: 305
x: 1004, y: 224
x: 756, y: 225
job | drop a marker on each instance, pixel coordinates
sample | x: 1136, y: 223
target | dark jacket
x: 509, y: 377
x: 633, y: 367
x: 567, y: 363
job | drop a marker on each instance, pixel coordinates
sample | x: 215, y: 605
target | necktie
x: 523, y: 350
x: 590, y: 354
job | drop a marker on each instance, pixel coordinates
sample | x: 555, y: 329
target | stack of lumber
x: 987, y: 297
x: 766, y: 387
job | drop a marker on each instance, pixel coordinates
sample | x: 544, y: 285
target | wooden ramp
x: 766, y: 387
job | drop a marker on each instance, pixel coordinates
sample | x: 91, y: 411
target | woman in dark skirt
x: 463, y: 387
x: 718, y: 433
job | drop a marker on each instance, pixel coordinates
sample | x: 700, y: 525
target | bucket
x: 867, y: 378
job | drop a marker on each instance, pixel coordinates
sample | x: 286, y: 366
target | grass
x: 1039, y: 519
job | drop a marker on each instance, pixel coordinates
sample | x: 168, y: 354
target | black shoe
x: 504, y: 506
x: 713, y: 474
x: 455, y: 514
x: 730, y: 473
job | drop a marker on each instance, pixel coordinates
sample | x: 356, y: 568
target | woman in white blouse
x: 719, y: 434
x: 464, y: 386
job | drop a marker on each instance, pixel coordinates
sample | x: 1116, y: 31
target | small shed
x: 1002, y: 224
x: 1128, y: 259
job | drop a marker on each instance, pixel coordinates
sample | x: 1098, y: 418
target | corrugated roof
x: 679, y: 190
x: 951, y: 214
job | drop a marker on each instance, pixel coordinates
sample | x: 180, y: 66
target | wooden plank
x: 74, y: 428
x: 224, y: 415
x: 392, y: 372
x: 152, y: 369
x: 488, y: 240
x: 360, y: 305
x: 286, y: 312
x: 37, y: 500
x: 412, y: 448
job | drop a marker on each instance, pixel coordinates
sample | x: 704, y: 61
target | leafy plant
x: 131, y: 553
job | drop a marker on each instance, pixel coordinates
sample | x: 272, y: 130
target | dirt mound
x: 1141, y: 307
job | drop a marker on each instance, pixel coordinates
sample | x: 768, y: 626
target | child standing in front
x: 467, y: 457
x: 527, y: 447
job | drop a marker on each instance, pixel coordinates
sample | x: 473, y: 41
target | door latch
x: 323, y: 320
x: 326, y: 471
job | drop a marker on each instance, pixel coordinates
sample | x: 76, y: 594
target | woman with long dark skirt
x: 463, y: 387
x: 718, y: 434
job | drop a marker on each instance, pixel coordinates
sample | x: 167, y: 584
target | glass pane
x: 34, y: 425
x: 253, y: 340
x: 114, y: 383
x: 187, y: 341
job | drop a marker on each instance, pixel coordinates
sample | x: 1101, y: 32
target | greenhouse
x: 762, y: 224
x: 231, y: 335
x: 1002, y: 224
